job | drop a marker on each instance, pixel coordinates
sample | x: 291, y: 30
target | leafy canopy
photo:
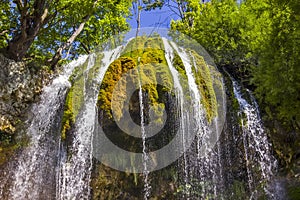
x: 38, y: 28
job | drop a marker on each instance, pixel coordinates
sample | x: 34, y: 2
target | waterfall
x: 52, y: 167
x: 74, y: 174
x: 256, y: 145
x: 184, y: 116
x: 147, y: 185
x: 75, y: 169
x: 201, y: 168
x: 33, y: 177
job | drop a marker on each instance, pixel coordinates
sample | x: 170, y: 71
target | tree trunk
x: 18, y: 47
x: 31, y: 24
x: 138, y: 20
x: 136, y: 6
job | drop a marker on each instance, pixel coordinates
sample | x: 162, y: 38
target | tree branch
x: 69, y: 42
x: 59, y: 51
x: 85, y: 48
x: 20, y: 4
x: 3, y: 32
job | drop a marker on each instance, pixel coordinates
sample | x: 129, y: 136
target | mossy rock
x: 75, y: 97
x: 9, y: 145
x: 205, y: 83
x: 147, y: 56
x: 114, y: 73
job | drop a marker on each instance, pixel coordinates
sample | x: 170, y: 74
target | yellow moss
x: 112, y: 76
x: 6, y: 126
x: 7, y: 152
x: 148, y: 55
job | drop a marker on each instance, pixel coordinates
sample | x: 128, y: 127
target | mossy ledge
x: 146, y: 55
x: 75, y: 97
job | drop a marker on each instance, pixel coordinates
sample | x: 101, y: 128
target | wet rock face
x: 19, y: 87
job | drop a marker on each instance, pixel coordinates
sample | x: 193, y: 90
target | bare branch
x: 68, y: 53
x: 175, y: 9
x: 4, y: 32
x: 69, y: 42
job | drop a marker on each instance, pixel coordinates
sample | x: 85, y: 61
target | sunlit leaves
x: 277, y: 77
x: 5, y: 22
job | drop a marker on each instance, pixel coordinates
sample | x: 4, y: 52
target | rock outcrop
x: 20, y: 86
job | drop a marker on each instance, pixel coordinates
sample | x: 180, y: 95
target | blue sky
x: 155, y: 18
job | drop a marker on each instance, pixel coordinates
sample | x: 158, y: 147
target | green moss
x: 75, y: 96
x: 68, y: 117
x: 111, y: 184
x: 148, y: 55
x: 178, y: 64
x: 108, y: 183
x: 204, y: 81
x: 6, y: 146
x: 238, y: 191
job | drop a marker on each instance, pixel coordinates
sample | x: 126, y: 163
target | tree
x: 258, y: 41
x: 60, y: 27
x: 231, y: 32
x: 277, y: 76
x: 218, y: 26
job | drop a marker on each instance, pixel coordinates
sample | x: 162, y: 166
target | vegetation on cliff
x: 147, y: 55
x: 203, y: 78
x: 75, y: 97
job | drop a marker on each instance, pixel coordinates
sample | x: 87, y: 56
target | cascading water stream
x: 210, y: 160
x: 34, y: 173
x: 202, y: 166
x: 255, y: 140
x: 74, y: 174
x: 147, y: 186
x: 184, y: 117
x: 76, y: 169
